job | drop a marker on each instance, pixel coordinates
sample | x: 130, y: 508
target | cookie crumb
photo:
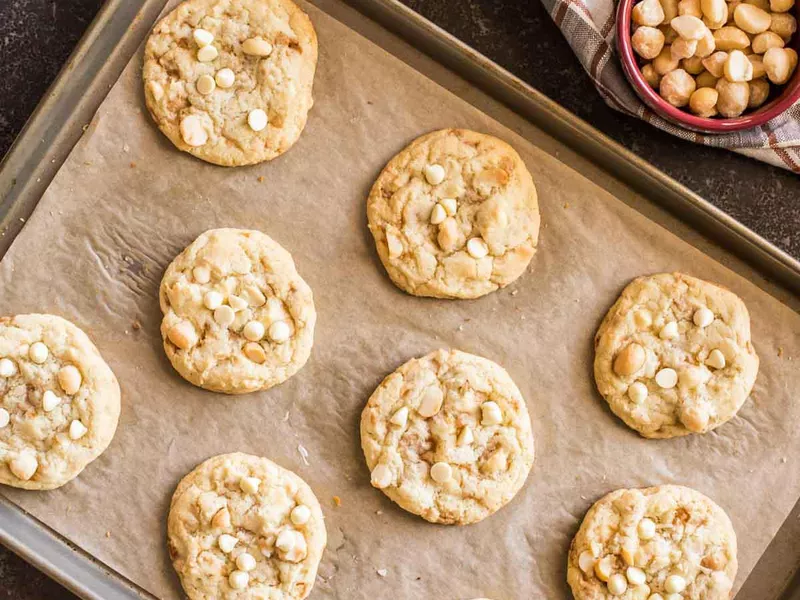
x: 383, y: 572
x: 108, y: 534
x: 303, y: 453
x: 378, y: 512
x: 133, y: 165
x: 337, y: 501
x: 566, y: 204
x: 260, y: 179
x: 780, y: 351
x: 514, y: 292
x: 136, y: 326
x: 783, y: 459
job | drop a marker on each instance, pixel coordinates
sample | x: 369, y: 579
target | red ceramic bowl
x: 789, y: 94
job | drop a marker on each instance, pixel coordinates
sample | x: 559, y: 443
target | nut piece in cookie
x: 230, y: 81
x: 59, y: 402
x: 240, y: 522
x: 448, y: 437
x: 454, y: 215
x: 661, y: 542
x: 673, y: 356
x: 238, y: 317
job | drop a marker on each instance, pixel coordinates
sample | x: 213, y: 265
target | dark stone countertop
x: 36, y: 37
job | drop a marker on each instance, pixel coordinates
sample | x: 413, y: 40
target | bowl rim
x: 765, y: 113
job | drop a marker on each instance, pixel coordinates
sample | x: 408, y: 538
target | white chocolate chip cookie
x: 448, y: 437
x: 659, y: 543
x: 237, y: 316
x: 454, y: 215
x: 229, y: 81
x: 59, y: 402
x: 232, y: 533
x: 673, y: 355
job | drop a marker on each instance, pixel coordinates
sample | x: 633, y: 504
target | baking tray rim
x: 84, y: 574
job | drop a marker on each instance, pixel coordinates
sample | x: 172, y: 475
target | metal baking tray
x: 106, y: 48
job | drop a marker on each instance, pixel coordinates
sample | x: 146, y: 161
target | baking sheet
x: 126, y: 202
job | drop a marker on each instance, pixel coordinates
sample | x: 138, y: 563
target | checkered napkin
x: 589, y: 26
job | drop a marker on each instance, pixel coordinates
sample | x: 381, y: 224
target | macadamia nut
x: 703, y: 102
x: 676, y: 87
x: 733, y: 97
x: 759, y: 92
x: 648, y: 12
x: 751, y: 19
x: 731, y: 38
x: 647, y: 42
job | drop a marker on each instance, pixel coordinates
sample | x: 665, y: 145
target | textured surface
x: 264, y: 511
x: 663, y: 369
x: 59, y: 402
x: 237, y: 316
x: 38, y: 35
x: 662, y: 540
x: 269, y: 50
x: 456, y: 412
x: 454, y: 215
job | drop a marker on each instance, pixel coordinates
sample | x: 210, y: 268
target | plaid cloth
x: 589, y: 26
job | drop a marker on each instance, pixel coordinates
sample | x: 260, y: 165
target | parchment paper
x: 126, y: 202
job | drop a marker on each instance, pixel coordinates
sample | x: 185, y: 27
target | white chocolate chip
x: 77, y: 430
x: 257, y: 119
x: 450, y: 206
x: 237, y: 303
x: 434, y: 174
x: 675, y: 584
x: 617, y: 584
x: 586, y: 561
x: 5, y: 418
x: 279, y: 331
x: 431, y: 402
x: 205, y: 84
x: 465, y: 436
x: 38, y: 352
x: 49, y: 401
x: 224, y: 315
x: 646, y: 529
x: 602, y: 568
x: 202, y: 37
x: 300, y: 514
x: 637, y: 392
x: 24, y: 465
x: 225, y: 78
x: 441, y: 472
x: 249, y: 485
x: 246, y: 562
x: 491, y: 413
x: 69, y: 378
x: 477, y: 248
x: 716, y: 359
x: 213, y: 300
x: 207, y: 54
x: 643, y: 319
x: 8, y: 367
x: 193, y: 132
x: 438, y: 214
x: 254, y: 331
x: 257, y: 47
x: 291, y: 545
x: 238, y: 580
x: 226, y: 542
x: 635, y: 576
x: 201, y: 274
x: 183, y: 335
x: 703, y: 317
x: 669, y: 331
x: 381, y: 476
x: 667, y: 378
x: 400, y: 417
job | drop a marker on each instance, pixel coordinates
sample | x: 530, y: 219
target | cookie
x: 229, y: 81
x: 454, y: 215
x: 448, y: 437
x: 237, y: 316
x: 660, y: 543
x: 673, y: 355
x: 59, y: 402
x: 242, y: 527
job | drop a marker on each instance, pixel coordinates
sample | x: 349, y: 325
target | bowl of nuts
x: 713, y: 66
